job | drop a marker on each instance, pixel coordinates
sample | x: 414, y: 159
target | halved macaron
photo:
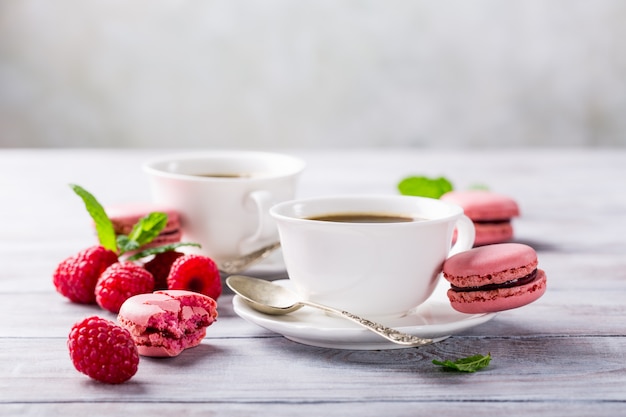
x: 164, y: 323
x: 494, y: 278
x: 491, y: 213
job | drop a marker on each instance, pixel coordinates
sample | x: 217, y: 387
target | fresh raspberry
x: 121, y: 281
x: 160, y: 266
x: 76, y: 276
x: 103, y: 350
x: 195, y: 273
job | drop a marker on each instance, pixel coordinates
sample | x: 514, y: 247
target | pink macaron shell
x: 194, y: 299
x: 490, y: 264
x: 483, y: 204
x: 490, y: 233
x: 478, y: 302
x: 165, y: 323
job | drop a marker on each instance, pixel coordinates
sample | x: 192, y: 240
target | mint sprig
x: 104, y: 227
x: 468, y: 364
x: 423, y: 186
x: 142, y: 233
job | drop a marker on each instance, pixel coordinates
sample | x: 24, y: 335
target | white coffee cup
x: 224, y: 197
x: 372, y: 269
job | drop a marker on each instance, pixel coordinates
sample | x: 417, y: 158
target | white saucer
x: 435, y: 319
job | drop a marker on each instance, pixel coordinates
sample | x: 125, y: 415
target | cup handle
x: 465, y: 235
x: 261, y: 201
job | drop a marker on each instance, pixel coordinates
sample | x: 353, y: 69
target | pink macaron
x: 494, y: 278
x: 491, y: 213
x: 125, y: 216
x: 164, y: 323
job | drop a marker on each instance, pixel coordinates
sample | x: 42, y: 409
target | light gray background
x: 312, y: 73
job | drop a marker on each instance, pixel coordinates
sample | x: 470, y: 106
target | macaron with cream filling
x: 494, y: 278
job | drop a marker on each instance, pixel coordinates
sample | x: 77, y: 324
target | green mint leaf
x: 160, y: 249
x: 104, y: 227
x: 125, y: 244
x: 424, y: 186
x: 148, y: 227
x: 468, y: 364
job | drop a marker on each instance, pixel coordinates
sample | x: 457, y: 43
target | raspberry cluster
x: 97, y: 275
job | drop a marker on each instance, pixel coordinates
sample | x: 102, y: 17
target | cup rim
x: 150, y: 166
x: 277, y: 210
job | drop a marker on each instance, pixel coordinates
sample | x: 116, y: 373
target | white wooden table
x: 563, y: 355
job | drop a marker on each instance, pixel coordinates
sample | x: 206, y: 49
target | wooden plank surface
x: 564, y: 354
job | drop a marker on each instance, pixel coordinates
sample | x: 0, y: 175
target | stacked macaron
x: 491, y: 213
x: 125, y: 216
x: 493, y: 278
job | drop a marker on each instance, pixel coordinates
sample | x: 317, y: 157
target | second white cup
x: 224, y: 197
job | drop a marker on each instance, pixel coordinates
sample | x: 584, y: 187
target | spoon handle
x: 388, y: 333
x: 237, y: 265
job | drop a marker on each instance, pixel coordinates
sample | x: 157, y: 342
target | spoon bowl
x: 269, y: 298
x: 264, y: 296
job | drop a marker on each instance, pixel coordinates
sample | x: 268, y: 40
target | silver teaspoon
x: 269, y: 298
x: 237, y: 265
